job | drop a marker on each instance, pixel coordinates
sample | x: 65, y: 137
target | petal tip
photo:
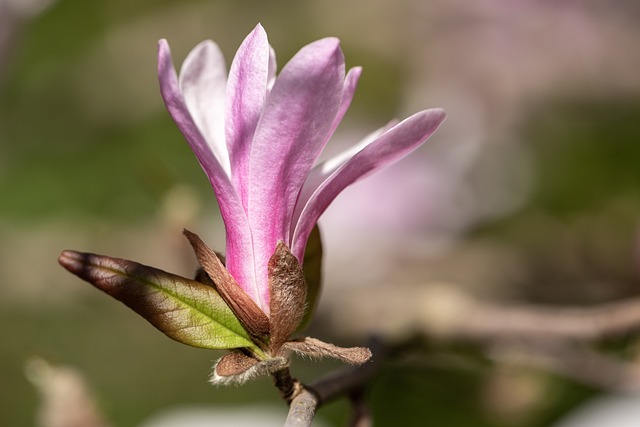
x: 258, y: 32
x: 164, y: 54
x: 356, y: 71
x: 332, y: 41
x: 163, y: 45
x: 329, y: 45
x: 436, y: 115
x: 440, y: 111
x: 441, y: 114
x: 333, y: 44
x: 260, y: 35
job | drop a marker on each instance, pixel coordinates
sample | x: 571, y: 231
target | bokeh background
x: 529, y: 192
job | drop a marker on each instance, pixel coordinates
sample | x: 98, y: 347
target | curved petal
x: 246, y: 92
x: 298, y: 114
x: 350, y: 85
x: 389, y: 147
x: 203, y: 81
x: 239, y: 250
x: 322, y: 171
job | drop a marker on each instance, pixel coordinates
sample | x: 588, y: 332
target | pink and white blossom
x: 258, y: 137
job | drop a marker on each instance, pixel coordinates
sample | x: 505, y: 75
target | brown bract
x: 288, y: 294
x: 315, y: 348
x: 251, y: 316
x: 238, y: 368
x: 234, y: 363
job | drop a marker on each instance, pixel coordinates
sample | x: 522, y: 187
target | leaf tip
x: 75, y: 262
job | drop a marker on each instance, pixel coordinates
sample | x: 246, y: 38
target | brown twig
x: 302, y: 409
x: 556, y: 339
x: 344, y: 382
x: 361, y: 416
x: 442, y: 311
x: 586, y: 365
x: 594, y: 323
x: 289, y: 387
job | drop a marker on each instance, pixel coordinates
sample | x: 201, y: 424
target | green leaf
x: 184, y: 310
x: 312, y: 269
x: 244, y: 308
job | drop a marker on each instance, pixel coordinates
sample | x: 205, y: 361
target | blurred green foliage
x: 588, y: 155
x: 64, y: 157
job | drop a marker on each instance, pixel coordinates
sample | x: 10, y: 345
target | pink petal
x: 315, y: 179
x: 350, y: 85
x: 322, y: 171
x: 203, y: 81
x: 273, y: 68
x: 389, y: 147
x: 239, y: 251
x: 298, y: 115
x: 246, y: 92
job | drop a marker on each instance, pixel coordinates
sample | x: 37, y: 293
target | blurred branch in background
x: 562, y: 340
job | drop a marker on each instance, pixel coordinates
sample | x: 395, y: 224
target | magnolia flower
x: 258, y: 138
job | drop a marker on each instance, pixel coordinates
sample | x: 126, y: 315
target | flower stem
x: 289, y: 387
